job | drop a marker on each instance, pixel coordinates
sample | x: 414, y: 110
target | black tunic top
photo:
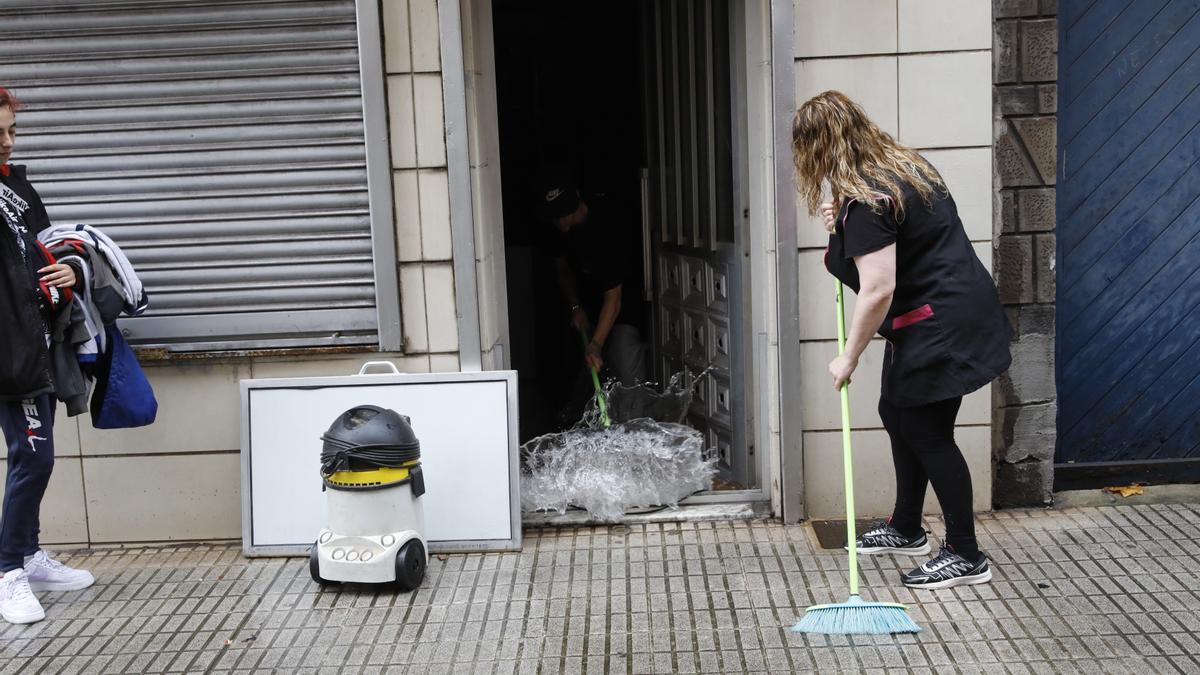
x: 946, y: 330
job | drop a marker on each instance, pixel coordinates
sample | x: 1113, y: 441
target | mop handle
x: 601, y: 404
x: 847, y: 457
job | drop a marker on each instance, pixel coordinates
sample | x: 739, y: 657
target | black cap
x: 557, y: 194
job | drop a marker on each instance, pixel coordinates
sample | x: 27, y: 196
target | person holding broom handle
x: 895, y: 238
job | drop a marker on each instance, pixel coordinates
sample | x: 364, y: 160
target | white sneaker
x: 47, y: 574
x: 17, y: 601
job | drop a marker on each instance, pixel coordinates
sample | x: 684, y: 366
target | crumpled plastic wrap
x: 646, y: 458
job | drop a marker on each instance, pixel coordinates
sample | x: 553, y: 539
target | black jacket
x: 24, y: 356
x: 947, y: 333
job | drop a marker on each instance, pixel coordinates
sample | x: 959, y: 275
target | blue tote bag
x: 123, y: 397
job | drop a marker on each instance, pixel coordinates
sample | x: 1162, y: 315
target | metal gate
x: 222, y: 144
x: 691, y: 219
x: 1128, y: 211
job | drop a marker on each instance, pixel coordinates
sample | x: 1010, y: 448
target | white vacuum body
x: 376, y: 518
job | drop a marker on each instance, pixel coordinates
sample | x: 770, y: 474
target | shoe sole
x: 59, y: 586
x: 959, y: 581
x: 923, y: 550
x: 32, y: 617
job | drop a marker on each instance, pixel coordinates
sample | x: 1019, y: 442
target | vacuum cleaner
x: 371, y: 468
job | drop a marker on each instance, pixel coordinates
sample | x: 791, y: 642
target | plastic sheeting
x: 646, y: 458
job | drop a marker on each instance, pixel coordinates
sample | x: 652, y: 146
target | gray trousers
x: 625, y: 355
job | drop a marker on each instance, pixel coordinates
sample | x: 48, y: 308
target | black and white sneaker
x: 884, y: 538
x: 948, y: 570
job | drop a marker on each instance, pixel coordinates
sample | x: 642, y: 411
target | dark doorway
x: 569, y: 91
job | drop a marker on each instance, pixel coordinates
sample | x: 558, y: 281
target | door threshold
x: 1150, y: 494
x: 693, y: 513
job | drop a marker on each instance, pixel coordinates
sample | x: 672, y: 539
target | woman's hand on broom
x: 828, y: 213
x: 841, y: 368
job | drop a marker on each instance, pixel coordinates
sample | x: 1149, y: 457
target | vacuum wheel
x: 410, y: 565
x: 314, y: 566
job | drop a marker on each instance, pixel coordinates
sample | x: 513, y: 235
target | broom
x: 601, y: 403
x: 853, y: 617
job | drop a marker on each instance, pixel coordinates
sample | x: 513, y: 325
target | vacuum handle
x: 382, y: 364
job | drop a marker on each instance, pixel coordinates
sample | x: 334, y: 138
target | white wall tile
x: 946, y: 99
x: 976, y: 407
x: 943, y: 25
x: 431, y: 126
x: 435, y: 214
x: 408, y: 215
x: 401, y: 121
x: 440, y: 307
x: 426, y: 54
x: 443, y: 363
x: 397, y: 58
x: 63, y: 516
x: 821, y: 403
x: 810, y: 232
x: 983, y: 249
x: 869, y: 81
x: 874, y: 475
x: 66, y: 433
x: 413, y: 317
x: 968, y: 174
x: 816, y: 295
x: 199, y: 409
x: 164, y: 498
x: 841, y: 27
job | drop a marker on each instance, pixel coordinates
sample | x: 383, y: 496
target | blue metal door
x: 1128, y: 298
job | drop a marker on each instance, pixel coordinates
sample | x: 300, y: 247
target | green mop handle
x: 601, y: 404
x: 847, y: 457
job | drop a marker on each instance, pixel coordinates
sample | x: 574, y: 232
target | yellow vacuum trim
x: 380, y: 476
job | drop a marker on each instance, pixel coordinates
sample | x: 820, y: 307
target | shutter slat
x: 204, y: 184
x: 221, y: 144
x: 282, y: 250
x: 232, y: 231
x: 54, y: 120
x: 21, y: 48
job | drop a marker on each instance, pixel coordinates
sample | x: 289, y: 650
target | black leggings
x: 924, y: 452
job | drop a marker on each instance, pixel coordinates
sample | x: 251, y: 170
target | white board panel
x: 465, y: 423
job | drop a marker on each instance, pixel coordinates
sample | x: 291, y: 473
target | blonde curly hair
x: 833, y: 140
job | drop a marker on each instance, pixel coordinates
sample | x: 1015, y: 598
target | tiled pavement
x: 1108, y: 589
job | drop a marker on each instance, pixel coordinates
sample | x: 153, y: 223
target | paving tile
x: 1076, y: 591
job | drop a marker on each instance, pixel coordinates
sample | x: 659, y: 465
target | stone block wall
x: 1025, y: 73
x: 921, y: 70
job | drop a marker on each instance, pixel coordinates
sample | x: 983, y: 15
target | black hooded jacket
x: 24, y: 355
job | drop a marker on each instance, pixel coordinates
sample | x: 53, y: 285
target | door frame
x: 763, y: 49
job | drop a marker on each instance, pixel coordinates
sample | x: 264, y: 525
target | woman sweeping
x: 897, y: 241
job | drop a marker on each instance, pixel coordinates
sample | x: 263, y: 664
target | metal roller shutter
x: 221, y: 143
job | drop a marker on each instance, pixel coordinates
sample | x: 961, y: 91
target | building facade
x: 309, y: 185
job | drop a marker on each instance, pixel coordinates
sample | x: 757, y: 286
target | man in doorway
x: 591, y: 270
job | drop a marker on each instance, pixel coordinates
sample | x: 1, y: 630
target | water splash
x: 648, y: 457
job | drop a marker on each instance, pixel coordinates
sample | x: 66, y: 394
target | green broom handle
x: 601, y: 404
x: 847, y: 457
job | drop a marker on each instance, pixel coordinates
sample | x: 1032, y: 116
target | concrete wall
x: 921, y: 68
x: 180, y: 479
x: 1026, y: 92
